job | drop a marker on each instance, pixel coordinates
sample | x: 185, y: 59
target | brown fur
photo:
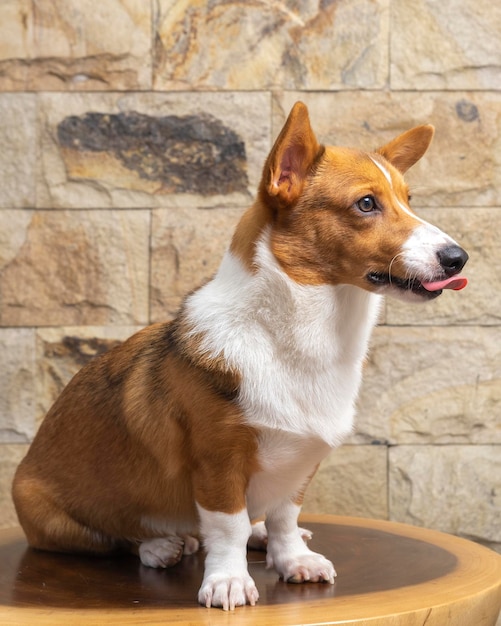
x: 154, y: 426
x: 171, y: 417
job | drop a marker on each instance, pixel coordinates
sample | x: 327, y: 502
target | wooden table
x: 388, y: 574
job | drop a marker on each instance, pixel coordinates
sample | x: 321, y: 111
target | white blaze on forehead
x: 386, y: 173
x: 409, y: 212
x: 426, y: 238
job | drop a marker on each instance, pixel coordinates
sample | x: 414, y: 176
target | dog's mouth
x: 425, y: 289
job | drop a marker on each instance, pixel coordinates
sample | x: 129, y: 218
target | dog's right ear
x: 406, y: 149
x: 291, y: 158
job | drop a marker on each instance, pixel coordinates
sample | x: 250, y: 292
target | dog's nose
x: 452, y: 259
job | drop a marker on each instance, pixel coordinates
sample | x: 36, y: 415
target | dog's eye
x: 366, y: 204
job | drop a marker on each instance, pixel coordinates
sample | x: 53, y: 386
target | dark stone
x: 467, y: 111
x: 188, y: 154
x: 78, y: 349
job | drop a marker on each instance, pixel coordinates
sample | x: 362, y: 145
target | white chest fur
x: 299, y: 349
x: 287, y: 462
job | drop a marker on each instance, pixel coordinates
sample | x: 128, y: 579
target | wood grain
x: 388, y: 575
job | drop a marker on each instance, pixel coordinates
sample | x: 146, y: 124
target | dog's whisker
x: 391, y: 265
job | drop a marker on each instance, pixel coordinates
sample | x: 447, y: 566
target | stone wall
x: 132, y: 135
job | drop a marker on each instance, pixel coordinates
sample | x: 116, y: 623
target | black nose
x: 452, y: 259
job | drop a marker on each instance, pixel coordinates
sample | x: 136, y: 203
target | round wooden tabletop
x: 388, y: 574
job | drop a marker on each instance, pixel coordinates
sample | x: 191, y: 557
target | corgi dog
x: 192, y: 429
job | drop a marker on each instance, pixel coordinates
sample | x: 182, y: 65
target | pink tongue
x: 456, y: 283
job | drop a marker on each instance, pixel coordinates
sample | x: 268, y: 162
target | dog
x: 192, y: 429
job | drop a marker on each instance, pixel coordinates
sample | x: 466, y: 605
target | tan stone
x: 455, y: 489
x: 462, y: 167
x: 75, y: 45
x: 306, y: 45
x: 352, y: 480
x: 443, y: 45
x: 10, y: 457
x: 17, y: 382
x: 18, y: 153
x: 137, y: 150
x: 62, y: 351
x: 480, y: 303
x: 187, y: 248
x: 78, y: 267
x: 13, y: 226
x: 432, y: 385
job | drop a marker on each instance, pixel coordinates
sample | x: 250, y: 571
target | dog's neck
x: 301, y: 346
x: 323, y: 323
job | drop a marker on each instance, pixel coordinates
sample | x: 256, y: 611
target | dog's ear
x: 406, y: 149
x: 291, y: 158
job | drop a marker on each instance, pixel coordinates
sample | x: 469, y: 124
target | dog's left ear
x: 406, y: 149
x: 291, y: 158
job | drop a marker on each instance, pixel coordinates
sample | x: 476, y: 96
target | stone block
x: 13, y: 226
x: 462, y: 166
x: 300, y: 45
x: 18, y: 154
x: 77, y: 267
x: 352, y: 480
x: 187, y: 248
x: 10, y: 457
x: 17, y: 385
x: 55, y: 45
x: 137, y: 150
x: 443, y: 45
x: 456, y: 489
x: 478, y: 231
x: 432, y: 385
x: 61, y: 352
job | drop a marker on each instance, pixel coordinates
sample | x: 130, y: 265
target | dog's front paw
x: 305, y: 567
x: 227, y: 591
x: 259, y: 537
x: 161, y: 551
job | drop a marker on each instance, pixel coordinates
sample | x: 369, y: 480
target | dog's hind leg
x: 191, y: 545
x: 161, y: 551
x: 49, y: 527
x: 259, y: 537
x: 166, y: 551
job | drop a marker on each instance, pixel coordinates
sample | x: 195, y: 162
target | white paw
x: 227, y: 592
x: 259, y: 537
x: 162, y: 551
x: 191, y: 545
x: 306, y: 534
x: 304, y: 567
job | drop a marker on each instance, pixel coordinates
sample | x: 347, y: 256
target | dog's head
x: 342, y: 216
